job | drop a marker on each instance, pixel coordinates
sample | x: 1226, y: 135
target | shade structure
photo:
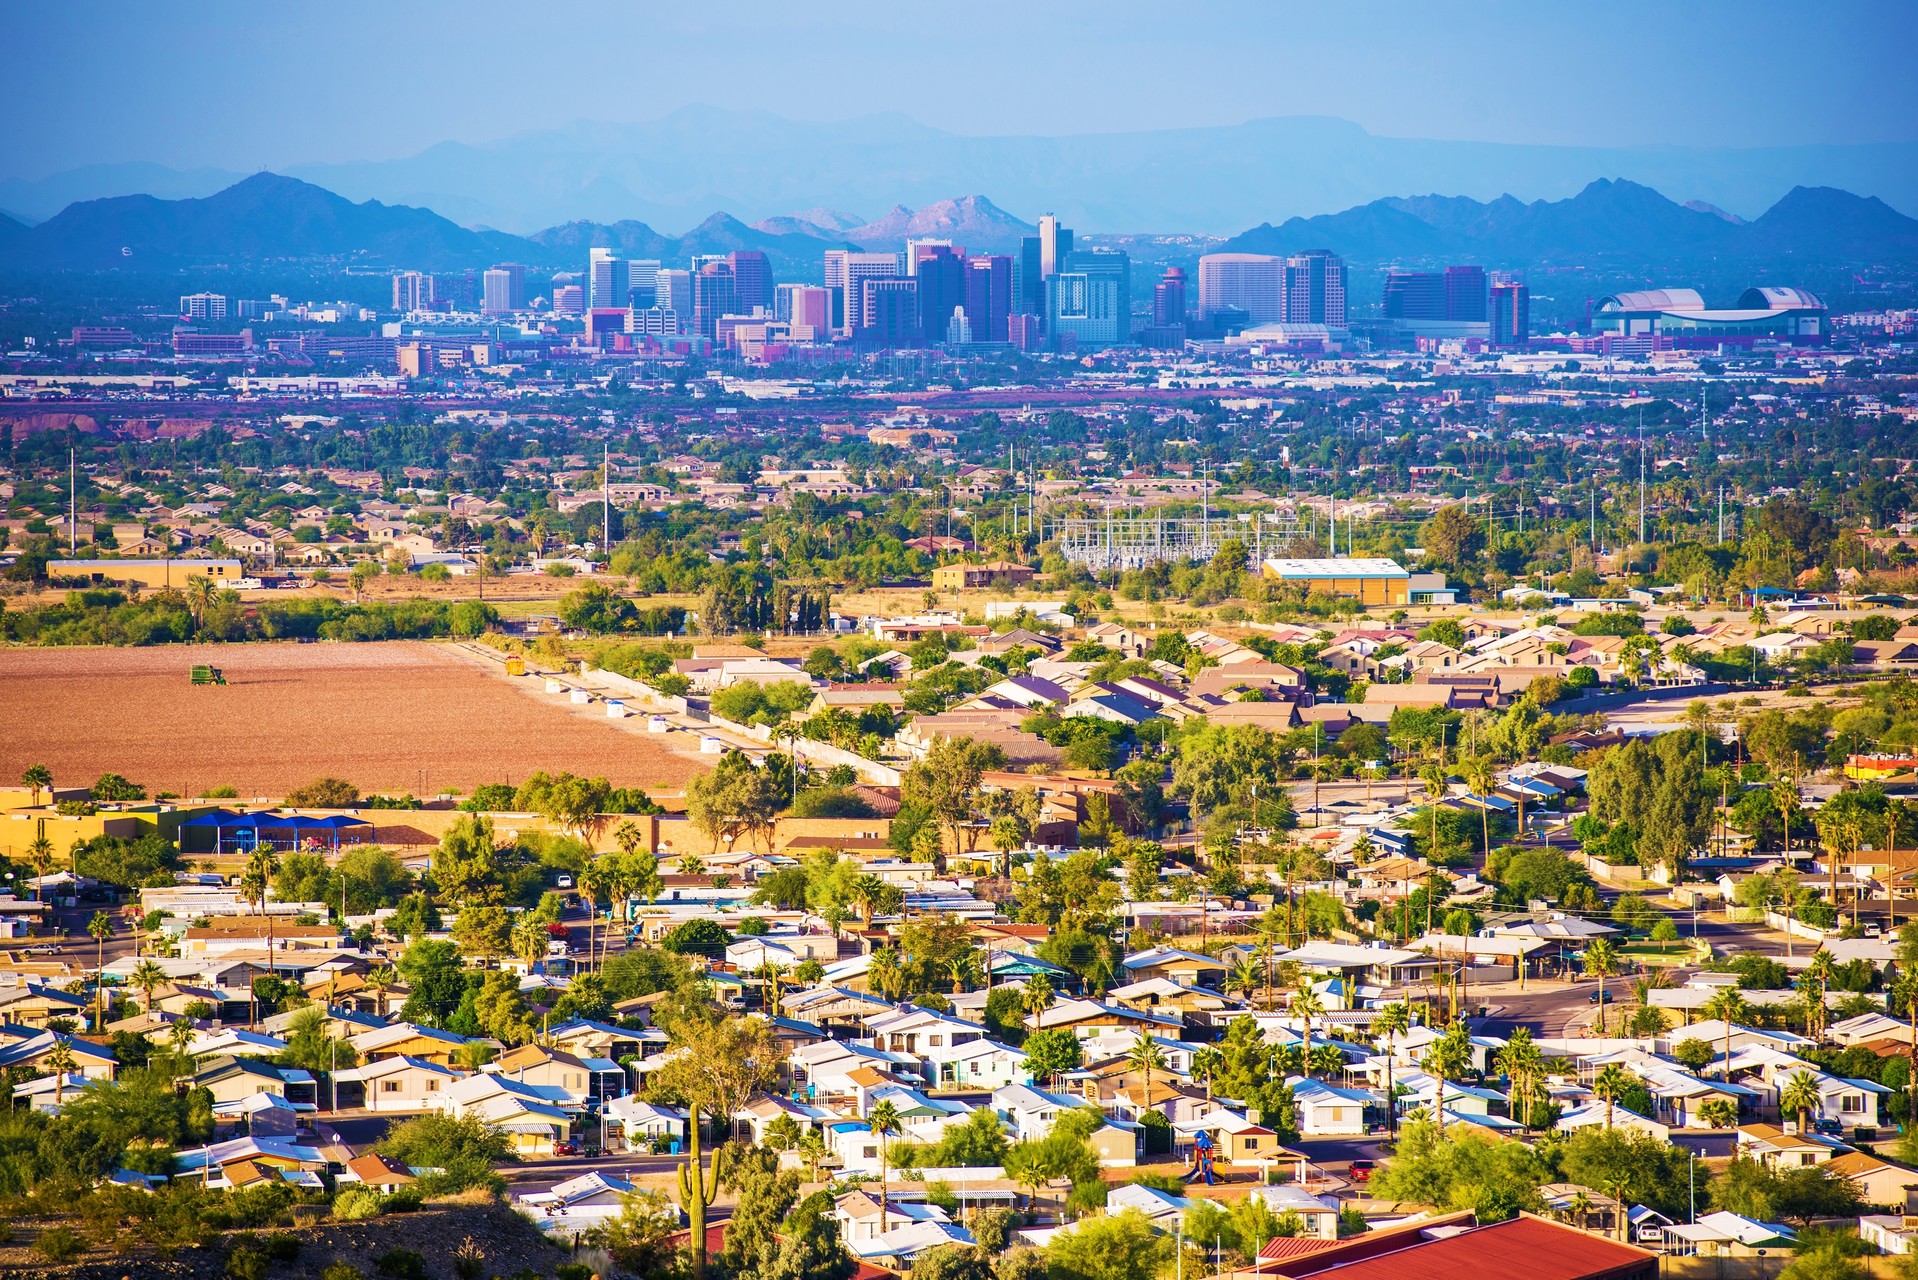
x: 248, y: 830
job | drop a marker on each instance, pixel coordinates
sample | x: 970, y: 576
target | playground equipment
x: 203, y: 674
x: 1201, y: 1165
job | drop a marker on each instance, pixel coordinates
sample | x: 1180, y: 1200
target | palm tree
x: 1037, y: 995
x: 1393, y: 1021
x: 200, y: 595
x: 1580, y: 1207
x: 39, y: 778
x: 1479, y: 776
x: 1784, y: 797
x: 1727, y: 1006
x: 1245, y: 977
x: 101, y: 927
x: 1817, y: 976
x: 1610, y: 1083
x: 1601, y: 962
x: 1146, y: 1057
x: 529, y: 941
x: 40, y: 854
x: 146, y: 976
x: 1208, y: 1062
x: 1446, y: 1057
x: 59, y: 1060
x: 1522, y: 1064
x: 1307, y: 1005
x: 1436, y: 789
x: 1719, y: 1113
x: 381, y: 979
x: 883, y: 1119
x: 179, y: 1035
x: 1800, y: 1095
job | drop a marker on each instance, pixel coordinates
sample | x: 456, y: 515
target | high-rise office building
x: 1055, y: 245
x: 889, y: 312
x: 412, y: 291
x: 941, y: 274
x: 1168, y: 299
x: 504, y: 289
x: 642, y: 282
x: 1028, y: 284
x: 1089, y: 303
x: 1250, y: 282
x: 846, y: 272
x: 1510, y: 313
x: 673, y: 291
x: 1465, y: 293
x: 752, y: 281
x: 606, y: 278
x: 1437, y: 304
x: 568, y: 300
x: 808, y: 311
x: 988, y: 296
x: 1315, y: 289
x: 715, y: 294
x: 958, y: 329
x: 203, y: 306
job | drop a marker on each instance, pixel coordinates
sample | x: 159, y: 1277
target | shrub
x: 247, y: 1262
x: 59, y: 1245
x: 355, y: 1203
x: 342, y: 1271
x: 401, y: 1264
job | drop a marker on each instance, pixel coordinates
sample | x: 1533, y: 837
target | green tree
x: 1051, y: 1052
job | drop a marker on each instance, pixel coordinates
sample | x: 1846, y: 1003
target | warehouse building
x: 1370, y: 582
x: 159, y: 574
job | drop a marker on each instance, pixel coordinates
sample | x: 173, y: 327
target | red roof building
x: 1449, y: 1247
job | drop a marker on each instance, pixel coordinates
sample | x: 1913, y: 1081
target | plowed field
x: 388, y: 717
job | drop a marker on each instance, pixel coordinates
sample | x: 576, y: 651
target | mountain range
x: 270, y: 219
x: 674, y: 170
x: 1611, y: 221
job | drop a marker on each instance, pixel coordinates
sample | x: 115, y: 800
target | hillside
x: 1611, y: 221
x: 262, y: 218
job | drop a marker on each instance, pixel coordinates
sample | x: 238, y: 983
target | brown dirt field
x: 400, y: 716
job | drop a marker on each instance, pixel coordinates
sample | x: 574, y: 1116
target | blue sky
x: 247, y: 85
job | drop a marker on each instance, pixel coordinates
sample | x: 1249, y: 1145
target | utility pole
x: 1594, y: 519
x: 1721, y: 514
x: 73, y: 502
x: 606, y: 503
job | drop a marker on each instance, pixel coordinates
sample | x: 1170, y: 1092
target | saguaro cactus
x: 698, y: 1187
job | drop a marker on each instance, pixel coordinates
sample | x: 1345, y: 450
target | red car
x: 1362, y: 1170
x: 565, y: 1148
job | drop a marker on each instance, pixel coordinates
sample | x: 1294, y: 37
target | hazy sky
x: 247, y: 85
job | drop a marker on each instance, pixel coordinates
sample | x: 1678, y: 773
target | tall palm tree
x: 1728, y: 1007
x: 1307, y: 1005
x: 1145, y: 1057
x: 1601, y: 962
x: 1814, y: 982
x: 1800, y: 1095
x: 179, y: 1034
x: 101, y: 927
x: 1436, y: 789
x: 1245, y: 977
x: 883, y: 1119
x: 1522, y: 1064
x: 1208, y: 1062
x: 1609, y: 1084
x: 39, y: 778
x: 200, y: 595
x: 60, y: 1061
x: 146, y: 976
x: 1393, y: 1021
x: 1479, y: 776
x: 1447, y: 1057
x: 40, y: 855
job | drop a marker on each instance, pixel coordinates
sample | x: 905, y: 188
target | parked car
x: 1601, y: 997
x: 1362, y: 1170
x: 566, y: 1147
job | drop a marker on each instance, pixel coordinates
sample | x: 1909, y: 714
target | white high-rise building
x: 846, y: 274
x: 203, y: 306
x: 606, y: 286
x: 673, y: 291
x: 1250, y: 282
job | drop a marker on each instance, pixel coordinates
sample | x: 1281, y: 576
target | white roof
x: 1335, y: 567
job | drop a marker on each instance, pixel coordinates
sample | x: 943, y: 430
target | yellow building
x: 146, y: 573
x: 958, y: 577
x: 1370, y: 582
